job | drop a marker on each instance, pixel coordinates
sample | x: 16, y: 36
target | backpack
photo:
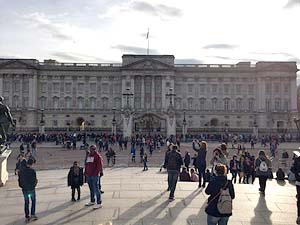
x: 224, y: 204
x: 172, y: 161
x: 263, y: 167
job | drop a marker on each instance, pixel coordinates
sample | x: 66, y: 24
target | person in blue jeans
x: 173, y: 162
x: 28, y: 182
x: 213, y: 189
x: 94, y: 169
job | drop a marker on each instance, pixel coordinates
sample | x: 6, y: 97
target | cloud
x: 220, y: 46
x: 156, y: 10
x: 75, y: 57
x: 292, y: 3
x: 41, y: 21
x: 188, y: 61
x: 133, y: 49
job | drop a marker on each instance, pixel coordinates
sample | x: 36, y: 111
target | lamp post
x: 171, y: 95
x: 42, y: 122
x: 297, y: 122
x: 184, y: 127
x: 127, y: 94
x: 114, y: 122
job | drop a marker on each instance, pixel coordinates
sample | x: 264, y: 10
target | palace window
x: 25, y: 86
x: 80, y: 87
x: 92, y: 103
x: 80, y: 102
x: 214, y: 88
x: 68, y: 102
x: 93, y: 88
x: 55, y: 87
x: 286, y: 105
x: 15, y: 102
x: 202, y: 104
x: 16, y: 86
x: 251, y: 104
x: 6, y: 86
x: 68, y: 87
x: 226, y: 89
x: 105, y: 103
x: 214, y: 102
x: 238, y: 89
x: 190, y: 88
x: 251, y: 89
x: 268, y: 105
x: 43, y: 102
x: 239, y: 104
x: 202, y: 89
x: 25, y: 102
x: 105, y: 88
x: 277, y: 104
x: 286, y: 88
x: 178, y: 103
x: 190, y: 104
x: 226, y: 104
x: 55, y: 102
x: 277, y: 88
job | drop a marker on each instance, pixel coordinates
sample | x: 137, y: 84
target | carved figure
x: 5, y: 120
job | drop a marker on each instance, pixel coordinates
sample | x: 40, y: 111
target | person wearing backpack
x: 263, y: 168
x: 173, y: 162
x: 221, y: 193
x: 295, y: 169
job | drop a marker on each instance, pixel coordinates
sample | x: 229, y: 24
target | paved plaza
x: 140, y: 198
x: 136, y: 197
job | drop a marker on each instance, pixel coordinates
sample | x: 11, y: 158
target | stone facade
x: 234, y: 97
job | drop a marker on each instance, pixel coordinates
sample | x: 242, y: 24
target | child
x: 194, y: 176
x: 75, y: 180
x: 207, y: 176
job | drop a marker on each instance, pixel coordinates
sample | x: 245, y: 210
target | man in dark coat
x: 28, y: 182
x: 173, y: 161
x: 200, y: 148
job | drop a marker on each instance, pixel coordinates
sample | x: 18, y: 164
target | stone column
x: 261, y: 95
x: 293, y: 95
x: 33, y: 91
x: 123, y: 88
x: 153, y: 93
x: 163, y: 92
x: 142, y: 92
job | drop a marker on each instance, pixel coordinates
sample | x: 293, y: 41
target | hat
x: 297, y: 153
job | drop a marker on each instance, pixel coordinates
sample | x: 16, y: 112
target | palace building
x: 150, y: 94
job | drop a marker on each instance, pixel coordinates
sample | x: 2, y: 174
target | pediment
x: 17, y: 64
x: 148, y: 64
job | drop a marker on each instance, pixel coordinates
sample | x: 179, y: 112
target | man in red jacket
x: 94, y: 169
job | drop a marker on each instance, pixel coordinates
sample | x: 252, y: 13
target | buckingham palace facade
x: 150, y: 94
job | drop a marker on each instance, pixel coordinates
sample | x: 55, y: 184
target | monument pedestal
x: 3, y: 166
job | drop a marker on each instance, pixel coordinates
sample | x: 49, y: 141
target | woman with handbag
x: 221, y: 193
x: 263, y: 170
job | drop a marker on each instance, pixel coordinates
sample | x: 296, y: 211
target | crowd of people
x: 214, y: 177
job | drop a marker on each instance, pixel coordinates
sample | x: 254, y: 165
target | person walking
x: 75, y: 180
x: 296, y: 170
x: 187, y: 160
x: 28, y: 182
x: 200, y: 160
x: 214, y: 188
x: 145, y: 160
x: 173, y: 162
x: 263, y: 168
x: 234, y: 163
x: 94, y: 169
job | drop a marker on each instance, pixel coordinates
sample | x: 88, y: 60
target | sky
x: 194, y: 31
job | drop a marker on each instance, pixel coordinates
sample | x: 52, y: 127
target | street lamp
x: 114, y: 122
x: 42, y: 122
x: 171, y: 94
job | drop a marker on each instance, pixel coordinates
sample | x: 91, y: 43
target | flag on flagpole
x: 147, y: 35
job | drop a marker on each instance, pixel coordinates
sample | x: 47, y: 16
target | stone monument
x: 5, y: 120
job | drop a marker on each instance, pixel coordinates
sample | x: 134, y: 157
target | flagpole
x: 148, y: 42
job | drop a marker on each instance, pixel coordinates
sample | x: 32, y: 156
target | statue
x: 5, y: 120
